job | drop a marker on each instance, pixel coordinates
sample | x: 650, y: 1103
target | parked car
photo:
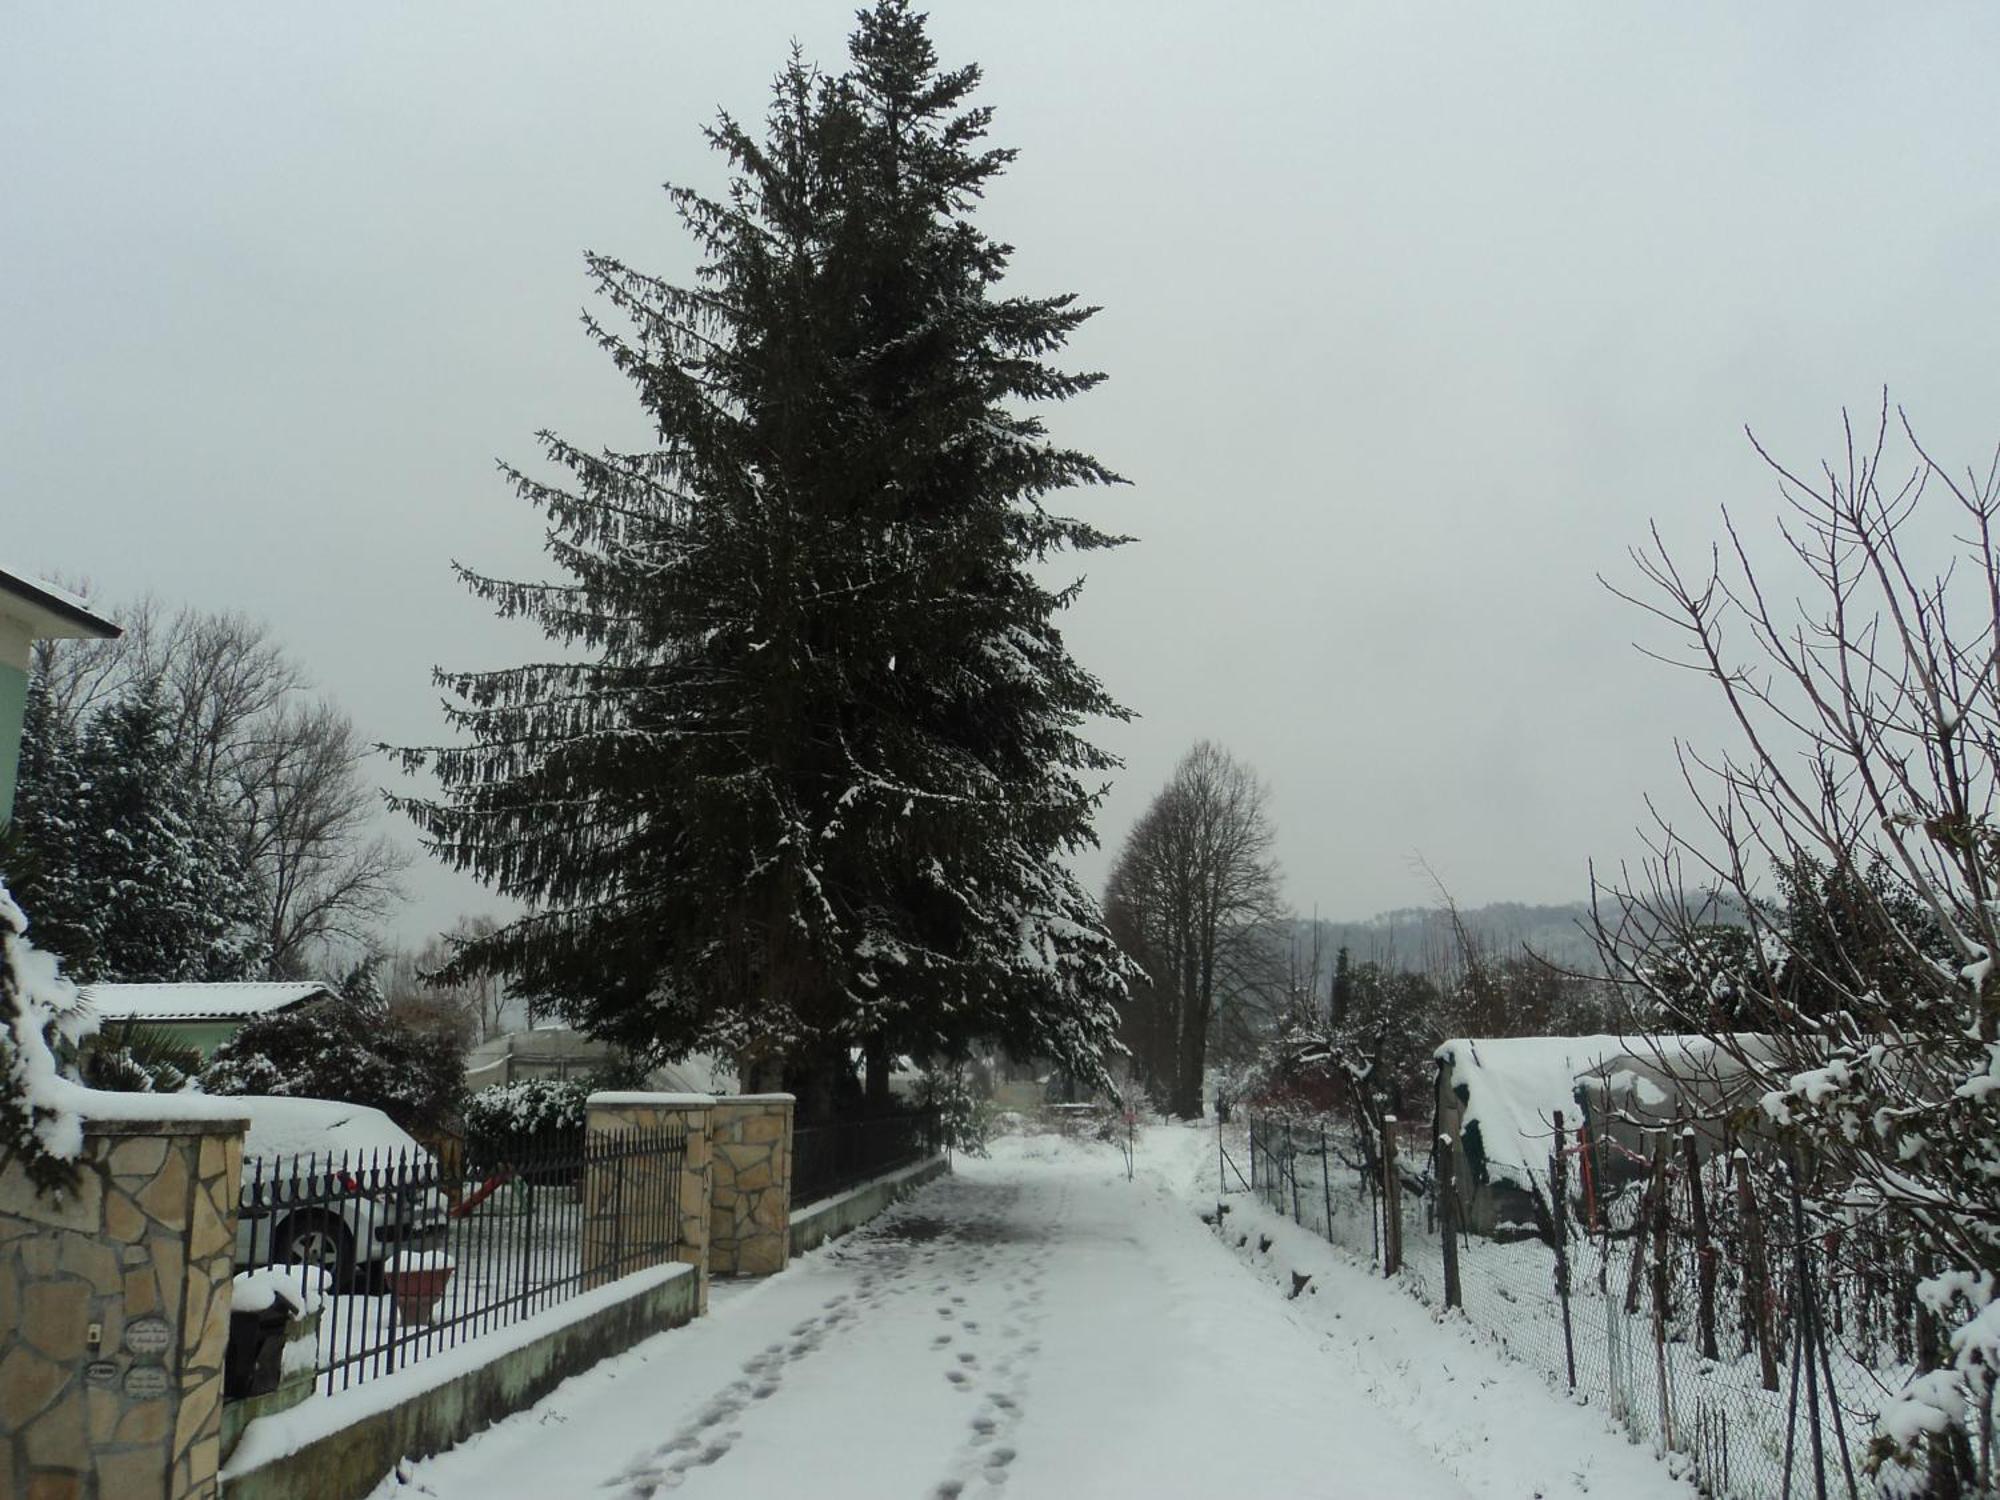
x: 334, y: 1185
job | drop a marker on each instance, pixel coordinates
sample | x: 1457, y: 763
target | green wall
x: 13, y: 700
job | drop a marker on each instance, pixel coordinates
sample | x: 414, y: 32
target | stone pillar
x: 114, y: 1310
x: 632, y: 1201
x: 749, y: 1221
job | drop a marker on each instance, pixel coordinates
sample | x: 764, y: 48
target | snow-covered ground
x: 1036, y: 1323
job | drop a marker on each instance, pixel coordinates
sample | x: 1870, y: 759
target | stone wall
x: 750, y: 1195
x: 645, y: 1199
x: 114, y: 1310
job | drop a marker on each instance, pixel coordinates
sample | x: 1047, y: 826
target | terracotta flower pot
x: 418, y: 1292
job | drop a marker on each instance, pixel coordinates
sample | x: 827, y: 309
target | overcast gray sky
x: 1414, y: 316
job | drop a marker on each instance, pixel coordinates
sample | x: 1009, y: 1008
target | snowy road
x: 1034, y: 1326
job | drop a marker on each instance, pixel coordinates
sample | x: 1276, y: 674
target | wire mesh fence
x: 1695, y: 1299
x: 406, y: 1257
x: 830, y: 1158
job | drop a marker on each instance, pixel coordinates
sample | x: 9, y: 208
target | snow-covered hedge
x: 527, y: 1109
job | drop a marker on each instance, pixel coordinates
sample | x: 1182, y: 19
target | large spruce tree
x: 805, y: 776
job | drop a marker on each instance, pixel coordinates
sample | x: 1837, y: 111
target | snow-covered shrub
x: 334, y: 1050
x: 528, y: 1110
x: 42, y: 1017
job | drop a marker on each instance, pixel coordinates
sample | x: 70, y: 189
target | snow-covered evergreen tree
x: 133, y: 861
x: 44, y: 846
x: 811, y: 783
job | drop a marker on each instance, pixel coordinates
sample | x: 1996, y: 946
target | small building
x: 202, y: 1016
x: 1497, y: 1099
x: 31, y: 611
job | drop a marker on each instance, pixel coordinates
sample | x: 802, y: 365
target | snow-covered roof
x: 149, y: 1004
x: 50, y: 613
x: 1512, y: 1088
x: 1514, y: 1085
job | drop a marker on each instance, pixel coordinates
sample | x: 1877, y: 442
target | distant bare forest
x: 1420, y: 939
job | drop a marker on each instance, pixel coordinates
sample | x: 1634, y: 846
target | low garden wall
x: 340, y: 1447
x: 813, y: 1224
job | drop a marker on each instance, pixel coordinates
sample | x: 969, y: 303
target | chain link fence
x: 1691, y: 1298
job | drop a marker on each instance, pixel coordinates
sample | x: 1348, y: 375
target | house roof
x: 149, y: 1004
x: 50, y: 613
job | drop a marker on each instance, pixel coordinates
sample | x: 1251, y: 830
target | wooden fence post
x: 1325, y: 1186
x: 1392, y: 1202
x: 1292, y: 1171
x: 1642, y: 1225
x: 1559, y: 1221
x: 1704, y: 1246
x: 1662, y: 1287
x: 1444, y: 1179
x: 1756, y: 1279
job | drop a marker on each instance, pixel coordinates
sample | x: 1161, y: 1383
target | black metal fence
x: 831, y: 1158
x: 404, y: 1258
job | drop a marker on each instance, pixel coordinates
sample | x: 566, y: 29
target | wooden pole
x: 1445, y: 1174
x: 1292, y: 1170
x: 1662, y: 1247
x: 1704, y: 1246
x: 1325, y: 1184
x: 1642, y: 1225
x: 1756, y: 1279
x: 1392, y: 1202
x: 1559, y: 1220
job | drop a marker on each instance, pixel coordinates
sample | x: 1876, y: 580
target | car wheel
x: 318, y: 1239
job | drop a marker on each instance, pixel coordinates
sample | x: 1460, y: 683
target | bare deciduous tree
x: 310, y: 831
x: 479, y: 999
x: 1863, y: 779
x: 1193, y: 898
